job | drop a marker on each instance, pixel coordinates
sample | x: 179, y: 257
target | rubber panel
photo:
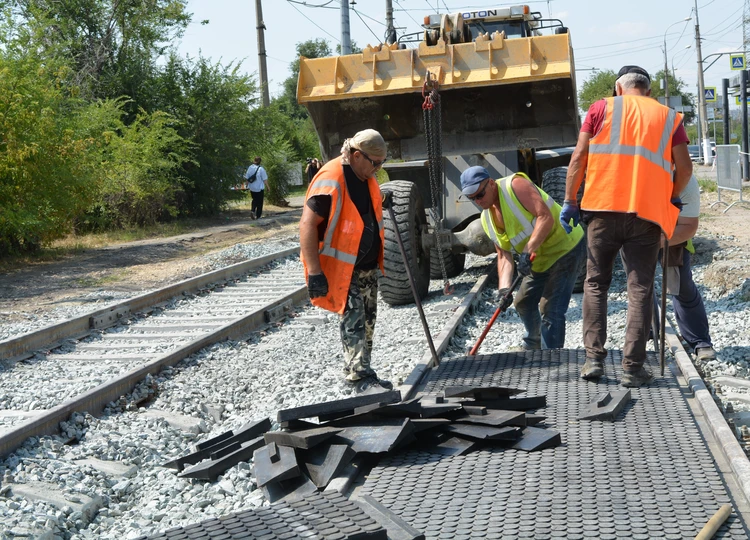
x: 647, y: 475
x: 318, y: 516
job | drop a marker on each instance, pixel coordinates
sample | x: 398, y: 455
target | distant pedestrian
x: 313, y: 166
x: 257, y: 182
x: 628, y: 148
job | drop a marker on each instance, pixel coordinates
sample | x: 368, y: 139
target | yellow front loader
x: 506, y: 84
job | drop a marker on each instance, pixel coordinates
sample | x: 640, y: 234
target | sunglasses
x: 376, y: 164
x: 479, y: 194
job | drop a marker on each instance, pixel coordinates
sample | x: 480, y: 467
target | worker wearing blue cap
x: 521, y: 218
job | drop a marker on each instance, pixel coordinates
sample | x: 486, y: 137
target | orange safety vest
x: 630, y: 161
x: 340, y: 245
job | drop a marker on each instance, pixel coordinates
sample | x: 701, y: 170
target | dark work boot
x: 634, y: 379
x: 592, y: 369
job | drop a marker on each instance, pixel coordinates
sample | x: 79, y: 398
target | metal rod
x: 497, y: 313
x: 663, y: 314
x: 413, y: 286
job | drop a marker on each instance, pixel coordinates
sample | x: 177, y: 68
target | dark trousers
x: 689, y: 309
x: 543, y: 298
x: 607, y: 233
x: 257, y: 205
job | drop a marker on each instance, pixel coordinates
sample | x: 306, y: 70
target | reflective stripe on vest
x: 528, y: 226
x: 327, y: 249
x: 615, y: 147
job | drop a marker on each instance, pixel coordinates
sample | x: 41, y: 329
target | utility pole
x: 390, y: 31
x: 707, y: 158
x: 346, y: 38
x: 666, y: 76
x: 261, y: 27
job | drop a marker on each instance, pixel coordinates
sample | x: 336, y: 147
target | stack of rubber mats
x: 305, y: 457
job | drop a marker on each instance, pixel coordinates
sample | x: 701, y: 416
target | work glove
x: 676, y: 201
x: 504, y: 298
x: 387, y: 199
x: 317, y: 285
x: 524, y: 264
x: 569, y: 211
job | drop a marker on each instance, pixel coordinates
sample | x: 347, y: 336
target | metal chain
x: 433, y: 135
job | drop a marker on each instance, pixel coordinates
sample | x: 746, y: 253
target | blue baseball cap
x: 472, y: 178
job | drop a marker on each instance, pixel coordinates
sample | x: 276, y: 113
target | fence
x: 728, y: 173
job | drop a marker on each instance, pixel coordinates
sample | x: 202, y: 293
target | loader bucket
x: 496, y: 94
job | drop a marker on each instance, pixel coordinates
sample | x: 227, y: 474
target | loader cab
x: 466, y: 26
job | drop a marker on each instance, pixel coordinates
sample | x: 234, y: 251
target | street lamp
x: 675, y: 56
x: 666, y: 66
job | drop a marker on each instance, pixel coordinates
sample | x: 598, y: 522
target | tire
x: 408, y: 209
x: 454, y: 263
x: 553, y: 184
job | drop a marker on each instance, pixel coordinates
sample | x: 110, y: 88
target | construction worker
x: 686, y: 299
x: 341, y: 243
x: 626, y: 148
x: 521, y: 218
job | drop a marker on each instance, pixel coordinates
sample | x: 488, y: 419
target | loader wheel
x: 454, y: 263
x: 411, y: 219
x: 553, y: 183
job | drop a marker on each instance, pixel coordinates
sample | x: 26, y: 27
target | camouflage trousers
x: 358, y: 323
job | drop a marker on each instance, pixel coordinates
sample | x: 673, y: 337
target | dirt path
x: 130, y: 268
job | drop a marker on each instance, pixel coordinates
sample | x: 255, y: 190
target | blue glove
x: 676, y: 201
x: 524, y: 264
x: 569, y: 211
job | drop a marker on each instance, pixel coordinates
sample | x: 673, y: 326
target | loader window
x: 512, y: 29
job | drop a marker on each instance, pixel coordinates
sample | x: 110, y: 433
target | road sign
x: 710, y: 93
x: 737, y: 61
x: 737, y: 99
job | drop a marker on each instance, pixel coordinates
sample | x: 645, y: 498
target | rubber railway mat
x: 318, y: 516
x: 648, y: 474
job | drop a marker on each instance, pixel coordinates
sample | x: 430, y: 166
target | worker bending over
x: 521, y: 218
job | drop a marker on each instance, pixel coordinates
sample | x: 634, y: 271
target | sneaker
x: 634, y: 379
x: 705, y: 353
x: 592, y: 369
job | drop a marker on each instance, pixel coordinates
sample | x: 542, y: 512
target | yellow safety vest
x: 519, y: 224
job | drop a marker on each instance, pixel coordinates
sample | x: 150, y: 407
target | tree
x: 601, y: 84
x: 287, y: 102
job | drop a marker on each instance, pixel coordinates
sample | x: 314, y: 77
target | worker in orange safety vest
x: 634, y: 154
x: 341, y: 244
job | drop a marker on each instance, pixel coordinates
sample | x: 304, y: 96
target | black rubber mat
x: 328, y: 516
x: 647, y: 475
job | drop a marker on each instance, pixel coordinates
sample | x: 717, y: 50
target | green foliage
x: 596, y: 87
x: 43, y: 180
x: 601, y: 84
x: 141, y: 164
x: 213, y: 103
x: 287, y: 102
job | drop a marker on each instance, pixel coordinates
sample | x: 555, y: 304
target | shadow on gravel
x: 704, y: 250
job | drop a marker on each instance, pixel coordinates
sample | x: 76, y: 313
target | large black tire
x: 410, y: 220
x: 553, y: 183
x: 454, y: 263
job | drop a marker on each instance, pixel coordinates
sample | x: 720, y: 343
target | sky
x: 626, y: 32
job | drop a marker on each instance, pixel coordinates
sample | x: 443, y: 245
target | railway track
x: 222, y: 383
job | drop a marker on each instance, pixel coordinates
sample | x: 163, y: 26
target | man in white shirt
x: 257, y: 180
x: 686, y: 300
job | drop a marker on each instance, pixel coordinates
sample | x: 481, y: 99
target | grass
x: 707, y: 186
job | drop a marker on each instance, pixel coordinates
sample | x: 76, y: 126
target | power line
x: 313, y: 22
x: 313, y: 5
x: 363, y: 22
